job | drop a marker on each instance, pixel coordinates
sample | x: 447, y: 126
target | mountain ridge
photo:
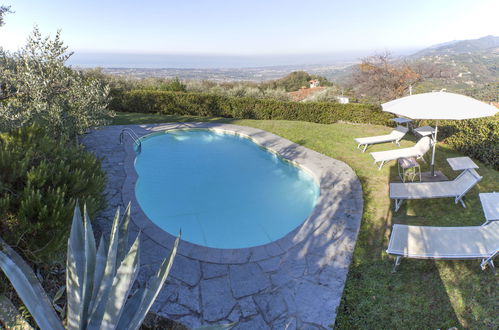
x: 486, y: 43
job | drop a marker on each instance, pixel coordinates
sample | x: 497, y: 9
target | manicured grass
x: 423, y: 293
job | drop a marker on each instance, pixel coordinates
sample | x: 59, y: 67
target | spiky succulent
x: 98, y: 280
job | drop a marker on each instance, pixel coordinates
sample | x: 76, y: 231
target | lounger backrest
x: 465, y: 181
x: 423, y: 145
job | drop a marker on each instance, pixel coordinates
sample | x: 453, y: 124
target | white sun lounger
x: 395, y: 136
x: 425, y: 242
x: 456, y: 188
x: 418, y: 151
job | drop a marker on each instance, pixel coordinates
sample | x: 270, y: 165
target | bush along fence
x: 201, y: 104
x: 478, y: 138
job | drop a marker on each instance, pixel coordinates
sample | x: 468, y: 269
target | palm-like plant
x: 98, y: 280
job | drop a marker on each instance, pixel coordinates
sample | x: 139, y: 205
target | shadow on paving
x: 295, y: 285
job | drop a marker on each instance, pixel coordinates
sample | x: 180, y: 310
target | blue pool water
x: 222, y: 190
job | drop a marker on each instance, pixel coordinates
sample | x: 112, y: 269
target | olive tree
x: 4, y: 10
x: 37, y: 87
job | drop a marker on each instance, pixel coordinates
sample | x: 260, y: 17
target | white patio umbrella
x: 439, y: 106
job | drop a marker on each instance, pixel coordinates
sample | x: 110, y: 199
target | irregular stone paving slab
x: 248, y: 307
x: 217, y: 298
x: 247, y: 279
x: 271, y: 305
x: 295, y: 282
x: 214, y: 270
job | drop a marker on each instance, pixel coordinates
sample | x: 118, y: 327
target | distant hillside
x: 466, y: 66
x: 484, y: 44
x: 471, y: 67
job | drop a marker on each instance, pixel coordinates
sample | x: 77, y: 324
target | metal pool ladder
x: 133, y: 135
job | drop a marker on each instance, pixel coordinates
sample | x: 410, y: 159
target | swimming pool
x: 223, y: 190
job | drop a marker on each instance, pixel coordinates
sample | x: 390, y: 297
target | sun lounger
x: 418, y: 151
x: 425, y: 242
x: 490, y: 205
x: 395, y: 136
x: 456, y: 188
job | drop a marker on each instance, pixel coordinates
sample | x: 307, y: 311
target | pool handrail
x: 133, y: 135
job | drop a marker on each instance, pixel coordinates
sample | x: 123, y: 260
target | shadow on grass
x: 375, y: 297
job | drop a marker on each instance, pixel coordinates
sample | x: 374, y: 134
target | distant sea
x: 200, y: 61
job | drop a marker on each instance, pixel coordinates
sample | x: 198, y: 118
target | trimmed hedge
x: 477, y: 138
x: 201, y: 104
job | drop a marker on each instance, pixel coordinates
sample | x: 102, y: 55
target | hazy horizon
x: 89, y: 59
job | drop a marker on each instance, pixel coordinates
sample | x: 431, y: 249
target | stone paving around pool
x: 295, y: 282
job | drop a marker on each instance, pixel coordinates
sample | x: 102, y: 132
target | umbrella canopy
x: 439, y: 105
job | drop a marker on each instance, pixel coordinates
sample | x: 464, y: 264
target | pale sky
x: 250, y: 27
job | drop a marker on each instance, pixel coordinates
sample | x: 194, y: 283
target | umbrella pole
x: 433, y: 152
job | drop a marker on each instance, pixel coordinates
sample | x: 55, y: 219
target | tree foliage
x: 379, y: 79
x: 38, y: 87
x: 296, y: 80
x: 4, y: 10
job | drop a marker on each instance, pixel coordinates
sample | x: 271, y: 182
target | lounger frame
x: 384, y: 140
x: 396, y: 141
x: 417, y: 151
x: 457, y: 197
x: 383, y: 161
x: 487, y: 260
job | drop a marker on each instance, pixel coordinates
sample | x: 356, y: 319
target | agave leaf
x: 90, y: 256
x: 75, y: 269
x: 28, y: 288
x: 59, y: 294
x: 153, y: 287
x: 73, y: 296
x: 122, y: 284
x: 123, y: 236
x: 58, y: 308
x: 131, y: 307
x: 100, y: 265
x: 104, y: 287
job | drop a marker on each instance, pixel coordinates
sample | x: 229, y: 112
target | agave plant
x: 98, y: 280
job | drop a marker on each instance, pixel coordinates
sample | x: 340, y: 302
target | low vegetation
x: 99, y: 280
x: 40, y: 180
x: 200, y: 104
x: 477, y: 138
x: 423, y: 294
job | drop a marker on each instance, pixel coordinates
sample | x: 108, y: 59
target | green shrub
x: 201, y: 104
x: 40, y: 181
x: 477, y: 138
x: 37, y: 87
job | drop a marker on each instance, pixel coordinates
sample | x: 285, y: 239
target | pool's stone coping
x: 296, y: 281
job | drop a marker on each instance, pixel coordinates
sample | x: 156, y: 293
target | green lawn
x: 423, y: 293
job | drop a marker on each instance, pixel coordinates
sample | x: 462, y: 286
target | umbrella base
x: 439, y: 176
